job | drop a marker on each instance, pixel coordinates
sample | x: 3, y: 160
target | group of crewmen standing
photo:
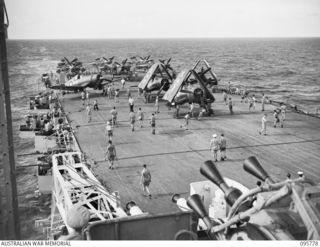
x: 218, y: 146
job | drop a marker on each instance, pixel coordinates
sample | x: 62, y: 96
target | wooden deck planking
x: 174, y: 155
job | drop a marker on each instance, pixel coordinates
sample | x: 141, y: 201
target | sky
x: 70, y: 19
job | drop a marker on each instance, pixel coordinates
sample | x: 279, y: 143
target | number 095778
x: 309, y: 243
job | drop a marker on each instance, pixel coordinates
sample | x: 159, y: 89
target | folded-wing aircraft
x: 158, y: 78
x: 189, y: 87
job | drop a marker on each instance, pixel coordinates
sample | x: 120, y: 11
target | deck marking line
x: 203, y: 150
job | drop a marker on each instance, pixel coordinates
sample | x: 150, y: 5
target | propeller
x: 169, y: 67
x: 204, y: 71
x: 67, y: 60
x: 166, y: 63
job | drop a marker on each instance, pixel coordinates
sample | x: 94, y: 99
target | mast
x: 9, y: 215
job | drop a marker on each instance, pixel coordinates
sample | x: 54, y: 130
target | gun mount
x: 285, y: 210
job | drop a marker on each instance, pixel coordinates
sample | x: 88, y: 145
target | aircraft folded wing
x: 173, y: 90
x: 144, y: 82
x: 215, y: 78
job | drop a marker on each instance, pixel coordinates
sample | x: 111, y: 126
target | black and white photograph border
x: 155, y: 120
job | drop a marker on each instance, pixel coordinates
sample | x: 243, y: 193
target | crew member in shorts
x: 132, y: 119
x: 223, y: 147
x: 214, y: 147
x: 153, y: 123
x: 111, y: 155
x: 114, y: 115
x: 140, y: 117
x: 145, y: 181
x: 109, y: 131
x: 83, y: 97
